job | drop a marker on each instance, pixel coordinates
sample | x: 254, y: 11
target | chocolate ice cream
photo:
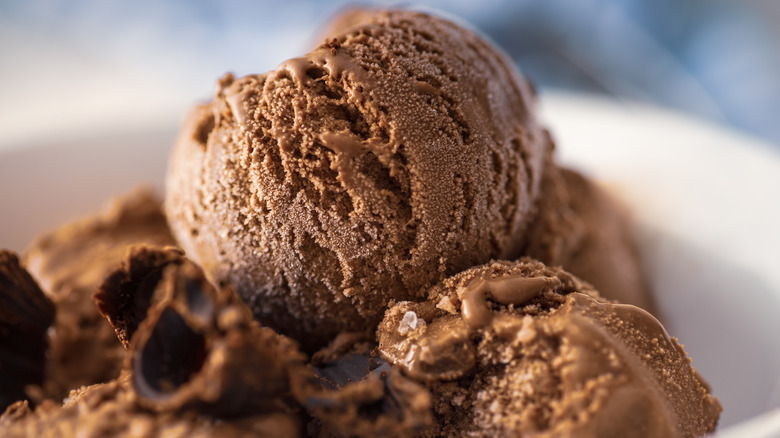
x: 197, y: 346
x: 109, y: 410
x: 199, y: 365
x: 25, y: 316
x: 521, y: 349
x: 400, y: 151
x: 578, y: 226
x: 357, y: 200
x: 69, y: 264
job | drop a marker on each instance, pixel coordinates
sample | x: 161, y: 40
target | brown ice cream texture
x: 402, y: 150
x: 522, y: 349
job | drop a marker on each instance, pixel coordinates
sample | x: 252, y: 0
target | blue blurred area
x: 716, y: 58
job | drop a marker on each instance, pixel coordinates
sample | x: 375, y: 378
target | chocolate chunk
x: 401, y: 151
x: 25, y: 316
x: 199, y: 349
x: 125, y: 296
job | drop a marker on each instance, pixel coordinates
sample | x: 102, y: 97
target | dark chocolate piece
x: 125, y: 296
x: 200, y: 349
x: 25, y: 316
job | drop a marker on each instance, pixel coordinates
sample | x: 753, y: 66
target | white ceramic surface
x: 705, y: 200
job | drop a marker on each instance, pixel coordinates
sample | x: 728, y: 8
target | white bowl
x: 705, y: 200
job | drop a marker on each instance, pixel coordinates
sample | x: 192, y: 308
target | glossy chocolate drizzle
x: 509, y: 289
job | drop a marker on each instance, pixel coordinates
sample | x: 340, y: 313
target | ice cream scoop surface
x: 521, y: 349
x: 398, y: 152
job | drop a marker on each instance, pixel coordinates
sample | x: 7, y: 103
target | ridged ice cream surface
x: 398, y: 152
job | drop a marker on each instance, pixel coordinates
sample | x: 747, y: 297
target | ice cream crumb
x: 446, y: 304
x: 527, y: 332
x: 410, y: 323
x: 458, y: 399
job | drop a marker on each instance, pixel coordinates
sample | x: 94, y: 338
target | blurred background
x: 73, y: 65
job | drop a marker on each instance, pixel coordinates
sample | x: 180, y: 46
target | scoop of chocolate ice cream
x: 521, y: 349
x: 393, y: 155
